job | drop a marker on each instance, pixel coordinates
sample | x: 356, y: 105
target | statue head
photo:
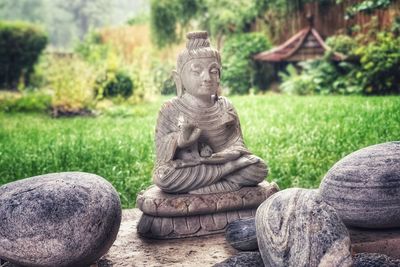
x: 198, y: 69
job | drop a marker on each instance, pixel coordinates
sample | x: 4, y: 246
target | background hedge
x: 20, y: 46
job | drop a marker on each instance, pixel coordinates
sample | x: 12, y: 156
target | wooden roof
x: 305, y: 45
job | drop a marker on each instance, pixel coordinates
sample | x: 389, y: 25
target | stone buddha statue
x: 199, y: 143
x: 204, y: 175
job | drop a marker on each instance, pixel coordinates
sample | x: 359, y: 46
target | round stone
x: 59, y: 219
x: 364, y: 187
x: 241, y: 234
x: 295, y: 227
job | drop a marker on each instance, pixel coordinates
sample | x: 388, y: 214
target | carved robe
x: 220, y: 131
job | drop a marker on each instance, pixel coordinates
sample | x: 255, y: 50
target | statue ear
x: 178, y: 83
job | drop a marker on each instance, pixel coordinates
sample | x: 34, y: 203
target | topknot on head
x: 196, y: 40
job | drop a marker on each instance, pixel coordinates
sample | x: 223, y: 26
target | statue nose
x: 206, y: 76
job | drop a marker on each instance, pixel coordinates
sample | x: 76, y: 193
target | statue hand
x: 222, y: 157
x: 188, y: 134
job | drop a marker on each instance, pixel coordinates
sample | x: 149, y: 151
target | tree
x: 219, y: 18
x: 30, y: 10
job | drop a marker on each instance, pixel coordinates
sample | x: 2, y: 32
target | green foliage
x: 374, y: 69
x: 227, y: 17
x: 139, y: 19
x: 92, y: 49
x: 20, y: 47
x: 366, y: 6
x: 294, y: 83
x: 300, y: 138
x: 320, y: 77
x: 162, y: 78
x: 238, y: 69
x: 380, y: 65
x: 70, y: 81
x: 220, y: 18
x: 343, y: 44
x: 396, y: 26
x: 163, y: 19
x: 28, y: 101
x: 69, y: 21
x: 114, y: 84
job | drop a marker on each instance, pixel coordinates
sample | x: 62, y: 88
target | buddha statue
x: 199, y: 143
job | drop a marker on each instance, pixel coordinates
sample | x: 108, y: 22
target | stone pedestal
x: 168, y: 216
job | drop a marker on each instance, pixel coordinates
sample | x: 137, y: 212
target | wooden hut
x: 307, y: 44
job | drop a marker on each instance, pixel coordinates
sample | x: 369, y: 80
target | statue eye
x: 214, y: 70
x: 195, y: 69
x: 196, y: 72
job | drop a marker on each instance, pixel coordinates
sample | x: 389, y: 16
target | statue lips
x: 209, y: 86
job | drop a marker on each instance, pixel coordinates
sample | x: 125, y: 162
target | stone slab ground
x: 129, y: 250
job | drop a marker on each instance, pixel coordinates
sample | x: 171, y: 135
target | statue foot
x: 219, y: 187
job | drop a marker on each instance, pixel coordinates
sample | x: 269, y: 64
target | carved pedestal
x: 167, y: 216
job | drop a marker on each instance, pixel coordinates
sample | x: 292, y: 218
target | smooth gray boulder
x: 58, y: 219
x: 364, y: 187
x: 295, y: 227
x: 241, y: 234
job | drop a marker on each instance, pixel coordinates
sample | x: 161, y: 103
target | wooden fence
x: 328, y: 20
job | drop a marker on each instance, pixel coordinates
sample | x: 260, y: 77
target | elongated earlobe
x: 178, y: 83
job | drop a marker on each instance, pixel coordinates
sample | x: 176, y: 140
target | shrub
x: 380, y: 65
x: 294, y: 83
x: 92, y: 49
x: 342, y: 44
x: 27, y: 101
x: 238, y: 69
x: 114, y: 83
x: 70, y: 81
x: 162, y: 78
x: 321, y: 77
x: 20, y: 47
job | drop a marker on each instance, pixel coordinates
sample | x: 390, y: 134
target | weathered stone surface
x: 364, y: 187
x: 241, y: 234
x: 199, y: 142
x: 155, y: 202
x: 196, y: 225
x: 243, y: 259
x: 374, y: 260
x: 295, y: 227
x: 167, y: 216
x: 131, y: 250
x: 59, y: 219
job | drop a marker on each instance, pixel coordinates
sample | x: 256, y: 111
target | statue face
x: 200, y: 77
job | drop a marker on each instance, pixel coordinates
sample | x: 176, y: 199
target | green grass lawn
x: 299, y: 137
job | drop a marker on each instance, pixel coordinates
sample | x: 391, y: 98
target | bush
x: 162, y: 78
x: 70, y: 82
x: 380, y: 65
x: 294, y: 83
x: 35, y: 101
x: 92, y: 49
x: 20, y: 47
x: 321, y: 77
x: 238, y: 69
x: 114, y: 83
x: 342, y: 44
